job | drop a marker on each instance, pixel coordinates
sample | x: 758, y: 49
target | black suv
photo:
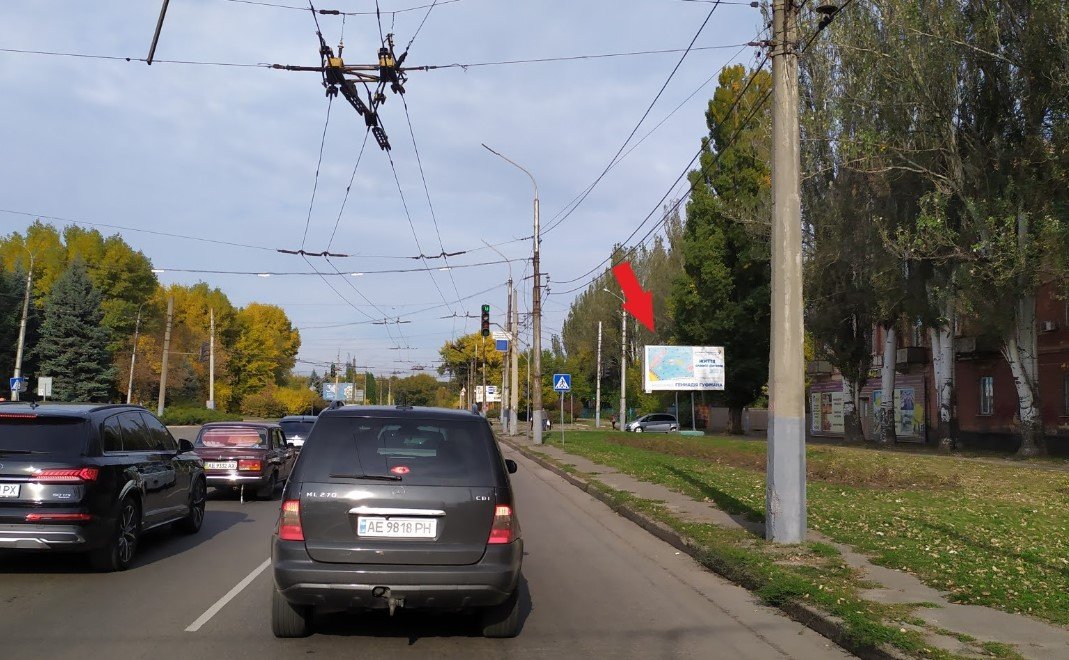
x: 398, y: 507
x: 91, y: 478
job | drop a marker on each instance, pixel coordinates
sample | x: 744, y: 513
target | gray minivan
x: 393, y: 508
x: 654, y: 423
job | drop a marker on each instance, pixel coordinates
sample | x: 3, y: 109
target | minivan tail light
x: 67, y: 476
x: 289, y: 521
x: 245, y: 465
x: 501, y: 530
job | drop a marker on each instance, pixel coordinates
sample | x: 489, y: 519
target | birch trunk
x: 852, y: 431
x: 886, y: 414
x: 943, y: 366
x: 1020, y: 350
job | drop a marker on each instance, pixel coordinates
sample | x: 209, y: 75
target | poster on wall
x: 909, y: 417
x: 826, y: 409
x: 814, y: 412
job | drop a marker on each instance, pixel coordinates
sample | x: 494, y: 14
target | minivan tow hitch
x: 391, y: 602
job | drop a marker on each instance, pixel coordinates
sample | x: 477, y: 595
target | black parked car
x: 92, y: 478
x: 398, y: 507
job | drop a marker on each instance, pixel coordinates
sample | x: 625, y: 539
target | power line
x: 335, y: 12
x: 349, y: 187
x: 427, y: 191
x: 639, y: 124
x: 319, y: 163
x: 289, y: 273
x: 412, y: 225
x: 678, y: 202
x: 570, y: 58
x: 92, y: 56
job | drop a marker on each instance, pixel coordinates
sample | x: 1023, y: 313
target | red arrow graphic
x: 638, y: 303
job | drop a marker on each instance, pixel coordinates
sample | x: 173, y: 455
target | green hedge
x: 194, y: 416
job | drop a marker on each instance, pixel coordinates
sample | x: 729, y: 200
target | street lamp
x: 623, y: 359
x: 133, y: 356
x: 510, y: 384
x: 536, y: 311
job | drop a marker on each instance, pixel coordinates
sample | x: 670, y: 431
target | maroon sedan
x: 247, y: 455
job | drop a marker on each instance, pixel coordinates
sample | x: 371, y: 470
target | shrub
x: 195, y: 416
x: 262, y: 404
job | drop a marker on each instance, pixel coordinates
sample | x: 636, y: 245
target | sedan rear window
x: 46, y: 435
x: 430, y: 453
x: 224, y: 438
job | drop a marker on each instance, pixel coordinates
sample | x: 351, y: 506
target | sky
x: 224, y: 158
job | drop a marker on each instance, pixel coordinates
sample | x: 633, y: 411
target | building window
x: 987, y: 395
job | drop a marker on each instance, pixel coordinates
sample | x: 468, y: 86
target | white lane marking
x: 221, y: 603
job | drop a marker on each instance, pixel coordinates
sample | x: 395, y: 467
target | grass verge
x: 987, y: 534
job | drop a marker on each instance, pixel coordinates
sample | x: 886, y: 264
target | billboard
x: 493, y: 394
x: 683, y: 368
x: 342, y: 392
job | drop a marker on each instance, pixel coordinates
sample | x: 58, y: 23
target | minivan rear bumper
x: 303, y: 581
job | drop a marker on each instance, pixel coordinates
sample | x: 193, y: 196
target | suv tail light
x: 58, y: 517
x: 248, y: 465
x: 289, y: 521
x: 66, y: 475
x: 501, y: 530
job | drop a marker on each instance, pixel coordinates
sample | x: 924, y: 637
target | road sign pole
x: 562, y: 420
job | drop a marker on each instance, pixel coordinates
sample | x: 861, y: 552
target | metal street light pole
x: 509, y: 385
x: 623, y: 361
x: 133, y: 355
x: 536, y: 311
x: 597, y: 397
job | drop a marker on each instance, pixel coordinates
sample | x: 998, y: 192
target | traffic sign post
x: 562, y: 383
x: 17, y: 384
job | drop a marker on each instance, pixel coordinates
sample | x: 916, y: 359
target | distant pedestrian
x: 613, y: 420
x: 475, y: 408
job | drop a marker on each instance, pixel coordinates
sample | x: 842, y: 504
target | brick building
x: 985, y: 393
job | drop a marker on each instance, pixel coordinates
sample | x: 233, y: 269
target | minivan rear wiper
x: 376, y: 477
x: 21, y: 451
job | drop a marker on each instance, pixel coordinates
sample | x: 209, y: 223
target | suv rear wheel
x: 503, y: 620
x: 289, y: 620
x: 197, y: 495
x: 119, y: 551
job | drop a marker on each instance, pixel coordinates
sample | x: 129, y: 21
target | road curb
x: 826, y: 624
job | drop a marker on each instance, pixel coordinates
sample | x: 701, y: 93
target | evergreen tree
x: 723, y: 297
x: 73, y: 349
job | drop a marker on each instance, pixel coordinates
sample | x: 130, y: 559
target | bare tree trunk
x: 886, y: 414
x: 852, y: 431
x: 943, y: 365
x: 1020, y: 350
x: 735, y: 421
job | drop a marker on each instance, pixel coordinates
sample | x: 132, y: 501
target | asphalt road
x: 595, y: 586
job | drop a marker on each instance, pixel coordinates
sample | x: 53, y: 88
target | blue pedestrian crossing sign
x: 562, y: 382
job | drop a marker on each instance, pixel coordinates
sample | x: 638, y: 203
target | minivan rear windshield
x: 420, y: 453
x: 47, y: 435
x: 296, y: 428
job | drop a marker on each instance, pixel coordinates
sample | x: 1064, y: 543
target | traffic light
x: 486, y: 321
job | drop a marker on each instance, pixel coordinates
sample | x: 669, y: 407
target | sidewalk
x: 948, y: 624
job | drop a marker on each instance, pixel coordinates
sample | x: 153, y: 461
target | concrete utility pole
x: 337, y: 374
x: 133, y: 356
x: 785, y: 503
x: 597, y: 397
x: 211, y: 359
x: 514, y: 361
x: 22, y: 327
x: 166, y: 352
x: 536, y: 311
